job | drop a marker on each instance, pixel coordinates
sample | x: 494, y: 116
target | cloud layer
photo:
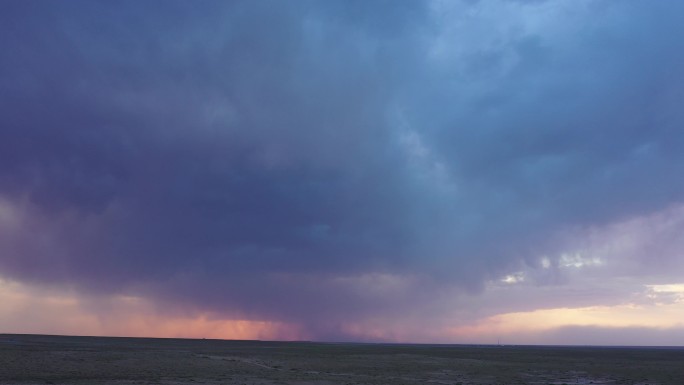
x: 333, y: 163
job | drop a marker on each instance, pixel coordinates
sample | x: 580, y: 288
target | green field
x: 35, y: 359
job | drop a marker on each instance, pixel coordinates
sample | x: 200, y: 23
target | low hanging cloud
x: 325, y: 163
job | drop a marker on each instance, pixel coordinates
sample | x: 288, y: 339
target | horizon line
x: 442, y: 344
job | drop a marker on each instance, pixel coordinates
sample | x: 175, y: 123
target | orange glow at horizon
x: 30, y: 310
x: 27, y: 311
x: 526, y: 327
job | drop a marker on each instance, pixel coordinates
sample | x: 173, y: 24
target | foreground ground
x: 30, y: 359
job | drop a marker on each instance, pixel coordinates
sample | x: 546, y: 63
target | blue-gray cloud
x: 250, y: 157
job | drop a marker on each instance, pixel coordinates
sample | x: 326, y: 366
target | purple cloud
x: 319, y: 163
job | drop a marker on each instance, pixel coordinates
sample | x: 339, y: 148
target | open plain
x: 37, y: 359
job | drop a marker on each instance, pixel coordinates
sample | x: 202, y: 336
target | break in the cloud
x: 352, y: 169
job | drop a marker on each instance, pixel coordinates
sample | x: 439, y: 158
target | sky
x: 435, y: 171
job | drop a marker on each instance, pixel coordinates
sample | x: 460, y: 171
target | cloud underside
x: 321, y: 165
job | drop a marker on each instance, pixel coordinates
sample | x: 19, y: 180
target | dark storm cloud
x: 241, y: 141
x: 575, y: 123
x: 289, y: 160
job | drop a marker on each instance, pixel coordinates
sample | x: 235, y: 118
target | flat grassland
x: 36, y: 359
